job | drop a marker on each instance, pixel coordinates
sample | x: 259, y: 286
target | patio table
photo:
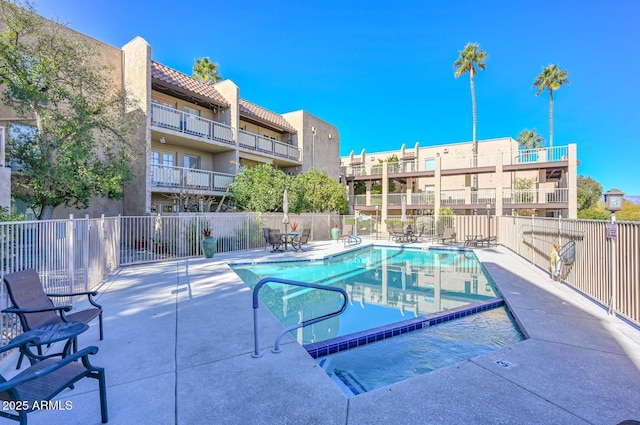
x: 49, y: 334
x: 288, y: 238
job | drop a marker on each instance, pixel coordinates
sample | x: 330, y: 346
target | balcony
x: 535, y: 196
x: 258, y: 143
x: 180, y: 178
x: 192, y: 125
x: 530, y: 157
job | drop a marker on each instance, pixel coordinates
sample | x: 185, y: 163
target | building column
x: 368, y: 185
x: 498, y: 183
x: 437, y: 187
x: 385, y: 194
x: 572, y: 181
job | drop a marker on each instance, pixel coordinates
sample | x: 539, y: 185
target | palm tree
x: 206, y: 71
x: 470, y: 60
x: 551, y: 78
x: 529, y: 139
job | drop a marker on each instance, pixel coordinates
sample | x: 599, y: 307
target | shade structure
x: 404, y: 209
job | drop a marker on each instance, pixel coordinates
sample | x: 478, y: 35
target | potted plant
x: 294, y: 226
x: 335, y: 232
x: 208, y: 243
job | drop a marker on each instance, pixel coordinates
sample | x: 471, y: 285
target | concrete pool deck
x: 179, y: 338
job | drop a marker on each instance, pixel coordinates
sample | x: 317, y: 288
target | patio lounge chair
x: 447, y: 235
x: 302, y: 239
x: 489, y: 240
x: 35, y: 308
x: 34, y: 387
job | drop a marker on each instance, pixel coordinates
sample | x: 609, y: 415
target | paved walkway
x: 179, y: 338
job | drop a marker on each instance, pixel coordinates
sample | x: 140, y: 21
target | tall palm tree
x: 470, y: 60
x: 206, y: 71
x: 551, y: 78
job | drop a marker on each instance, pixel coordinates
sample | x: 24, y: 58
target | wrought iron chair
x: 302, y: 239
x: 35, y: 308
x: 33, y: 388
x: 275, y: 239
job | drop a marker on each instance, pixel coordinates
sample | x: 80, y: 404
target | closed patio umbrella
x: 285, y: 210
x: 404, y: 209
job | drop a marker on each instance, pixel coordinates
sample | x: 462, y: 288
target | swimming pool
x: 385, y: 285
x: 392, y: 291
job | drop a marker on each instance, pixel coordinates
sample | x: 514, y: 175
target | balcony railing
x: 173, y: 119
x: 452, y: 197
x: 530, y: 156
x: 535, y: 196
x: 259, y: 143
x: 189, y: 178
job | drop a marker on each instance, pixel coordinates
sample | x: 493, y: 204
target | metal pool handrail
x: 256, y: 290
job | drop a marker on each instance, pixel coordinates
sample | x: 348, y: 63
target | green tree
x: 629, y: 212
x: 206, y: 71
x: 320, y: 193
x: 470, y: 60
x: 530, y: 139
x: 78, y: 146
x: 588, y: 193
x: 551, y: 79
x: 260, y: 189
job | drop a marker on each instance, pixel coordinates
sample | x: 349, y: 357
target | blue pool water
x: 410, y: 311
x: 385, y: 285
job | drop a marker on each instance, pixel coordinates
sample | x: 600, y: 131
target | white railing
x: 530, y: 156
x: 189, y: 178
x: 358, y: 200
x: 535, y: 196
x: 395, y: 198
x: 423, y: 198
x: 402, y: 167
x: 483, y: 196
x: 467, y: 161
x: 452, y: 197
x: 256, y: 142
x: 173, y: 119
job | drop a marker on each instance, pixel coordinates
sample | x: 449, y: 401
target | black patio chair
x: 302, y: 239
x: 35, y: 309
x: 33, y: 388
x: 275, y: 239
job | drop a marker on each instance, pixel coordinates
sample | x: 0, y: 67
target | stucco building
x: 510, y: 180
x: 195, y: 137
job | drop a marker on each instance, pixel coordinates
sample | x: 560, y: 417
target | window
x: 162, y: 158
x: 191, y: 111
x: 430, y: 164
x: 20, y: 134
x: 192, y: 161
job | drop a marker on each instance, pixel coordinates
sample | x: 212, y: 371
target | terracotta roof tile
x: 183, y: 81
x: 251, y: 109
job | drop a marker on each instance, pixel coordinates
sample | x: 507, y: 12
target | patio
x: 179, y: 338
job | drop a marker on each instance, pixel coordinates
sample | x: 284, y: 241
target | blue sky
x: 382, y: 72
